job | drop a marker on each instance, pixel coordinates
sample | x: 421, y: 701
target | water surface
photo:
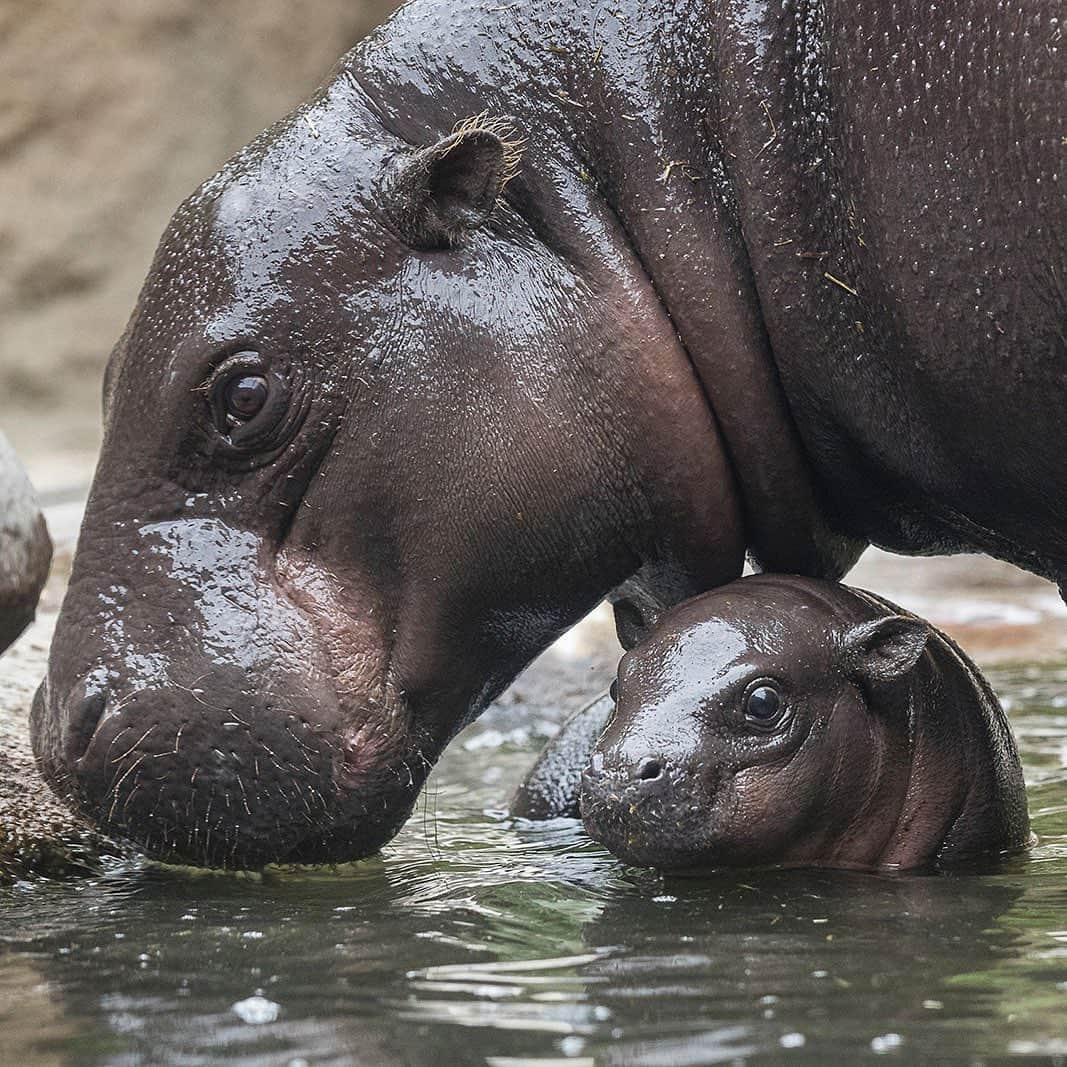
x: 477, y: 939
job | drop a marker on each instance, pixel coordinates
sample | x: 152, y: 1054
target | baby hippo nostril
x: 649, y: 769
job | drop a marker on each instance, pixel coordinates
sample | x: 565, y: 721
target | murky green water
x: 477, y: 940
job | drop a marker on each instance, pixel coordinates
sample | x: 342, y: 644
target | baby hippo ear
x: 884, y: 649
x: 437, y: 195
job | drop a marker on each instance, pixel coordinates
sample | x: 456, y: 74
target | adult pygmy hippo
x: 401, y: 401
x: 25, y: 547
x: 781, y: 720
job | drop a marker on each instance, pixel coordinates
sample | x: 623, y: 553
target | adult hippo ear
x: 436, y: 196
x: 884, y: 649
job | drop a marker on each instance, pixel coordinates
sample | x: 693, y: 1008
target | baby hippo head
x: 766, y: 722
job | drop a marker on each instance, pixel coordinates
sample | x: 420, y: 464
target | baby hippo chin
x: 786, y: 721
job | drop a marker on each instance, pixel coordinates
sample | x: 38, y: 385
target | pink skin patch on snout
x: 369, y: 757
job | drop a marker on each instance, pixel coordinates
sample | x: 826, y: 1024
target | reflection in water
x: 478, y: 939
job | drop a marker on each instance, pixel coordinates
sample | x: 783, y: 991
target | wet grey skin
x: 793, y: 722
x: 402, y: 399
x: 25, y: 547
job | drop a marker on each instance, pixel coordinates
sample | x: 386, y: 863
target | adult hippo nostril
x: 68, y: 726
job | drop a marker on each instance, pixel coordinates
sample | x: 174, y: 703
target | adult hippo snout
x: 197, y: 710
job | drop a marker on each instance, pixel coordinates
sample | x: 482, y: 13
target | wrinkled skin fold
x: 438, y: 362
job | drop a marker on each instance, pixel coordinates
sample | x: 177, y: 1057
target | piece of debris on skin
x: 683, y: 168
x: 838, y: 282
x: 563, y: 98
x: 773, y: 128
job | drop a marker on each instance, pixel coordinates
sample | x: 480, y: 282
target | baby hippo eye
x: 763, y: 706
x: 244, y: 396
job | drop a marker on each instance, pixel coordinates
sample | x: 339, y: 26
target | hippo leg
x: 25, y: 547
x: 551, y: 789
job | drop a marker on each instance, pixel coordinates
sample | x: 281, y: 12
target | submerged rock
x: 38, y: 835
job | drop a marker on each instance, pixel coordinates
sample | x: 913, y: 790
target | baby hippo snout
x: 634, y: 780
x: 640, y: 806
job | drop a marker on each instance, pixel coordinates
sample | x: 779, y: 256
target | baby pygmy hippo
x: 786, y: 721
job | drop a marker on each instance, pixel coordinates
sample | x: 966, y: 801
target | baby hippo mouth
x: 649, y: 812
x: 189, y: 778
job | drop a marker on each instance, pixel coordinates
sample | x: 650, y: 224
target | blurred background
x: 111, y: 112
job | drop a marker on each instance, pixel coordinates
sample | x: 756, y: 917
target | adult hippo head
x: 384, y: 422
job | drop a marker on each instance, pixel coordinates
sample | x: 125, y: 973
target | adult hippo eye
x: 254, y: 407
x: 244, y: 396
x: 764, y: 707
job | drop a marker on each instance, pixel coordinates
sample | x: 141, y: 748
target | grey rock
x: 25, y: 547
